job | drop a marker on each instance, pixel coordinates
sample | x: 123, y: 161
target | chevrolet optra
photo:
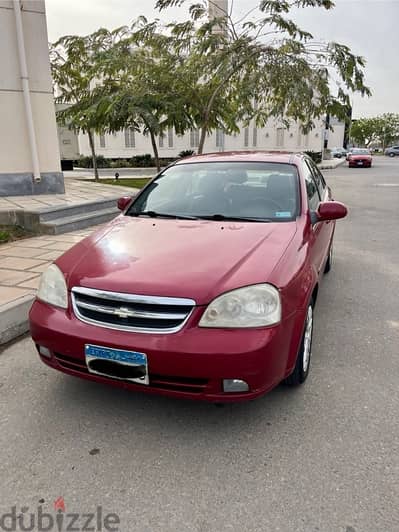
x: 204, y: 287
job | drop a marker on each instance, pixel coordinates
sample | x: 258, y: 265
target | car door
x: 327, y: 227
x: 321, y: 231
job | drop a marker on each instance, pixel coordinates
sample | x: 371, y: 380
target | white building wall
x: 16, y: 167
x: 274, y: 137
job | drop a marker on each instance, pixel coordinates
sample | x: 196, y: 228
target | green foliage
x: 186, y: 153
x: 383, y: 129
x: 9, y: 233
x: 87, y: 162
x: 136, y: 182
x: 316, y: 156
x: 142, y: 161
x: 267, y: 59
x: 204, y: 74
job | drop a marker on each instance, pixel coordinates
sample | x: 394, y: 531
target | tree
x: 74, y: 64
x: 138, y: 84
x: 262, y: 67
x: 383, y: 129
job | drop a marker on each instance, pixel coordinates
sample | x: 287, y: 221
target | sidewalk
x: 76, y: 193
x: 21, y: 264
x: 330, y: 164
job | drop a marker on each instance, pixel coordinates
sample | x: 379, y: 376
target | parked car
x: 338, y: 153
x: 360, y: 157
x: 393, y: 151
x: 204, y: 287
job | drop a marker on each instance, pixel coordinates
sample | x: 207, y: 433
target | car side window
x: 318, y: 177
x: 311, y: 189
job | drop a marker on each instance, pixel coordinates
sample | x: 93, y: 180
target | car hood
x: 177, y: 258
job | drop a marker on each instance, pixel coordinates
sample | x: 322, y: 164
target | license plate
x: 117, y: 363
x: 360, y: 163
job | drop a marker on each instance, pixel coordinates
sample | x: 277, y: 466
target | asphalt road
x: 321, y: 458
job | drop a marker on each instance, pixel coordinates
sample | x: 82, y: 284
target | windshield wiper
x: 154, y: 214
x: 223, y: 217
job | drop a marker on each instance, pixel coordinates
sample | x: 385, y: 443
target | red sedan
x: 360, y: 157
x: 204, y: 287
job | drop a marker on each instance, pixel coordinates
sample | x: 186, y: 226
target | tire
x: 302, y: 365
x: 329, y: 262
x: 391, y: 155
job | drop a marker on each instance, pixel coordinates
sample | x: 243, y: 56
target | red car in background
x: 360, y: 157
x: 204, y: 287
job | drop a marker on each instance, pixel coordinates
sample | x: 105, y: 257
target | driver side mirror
x: 124, y: 202
x: 329, y: 210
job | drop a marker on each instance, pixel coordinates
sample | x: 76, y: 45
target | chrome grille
x: 129, y: 312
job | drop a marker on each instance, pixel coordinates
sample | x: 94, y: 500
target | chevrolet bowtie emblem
x: 122, y: 312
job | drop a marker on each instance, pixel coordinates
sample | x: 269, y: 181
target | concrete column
x: 16, y: 157
x: 218, y: 9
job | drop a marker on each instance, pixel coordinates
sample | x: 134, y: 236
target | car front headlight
x: 53, y: 288
x: 251, y: 306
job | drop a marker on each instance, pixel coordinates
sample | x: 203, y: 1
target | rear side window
x: 311, y: 189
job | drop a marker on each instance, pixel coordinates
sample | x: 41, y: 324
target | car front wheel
x: 391, y: 155
x: 302, y: 366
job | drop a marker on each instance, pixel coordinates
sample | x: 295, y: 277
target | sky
x: 369, y: 27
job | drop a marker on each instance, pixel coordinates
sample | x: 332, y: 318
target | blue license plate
x: 117, y: 363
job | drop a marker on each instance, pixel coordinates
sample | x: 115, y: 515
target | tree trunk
x: 155, y: 150
x: 93, y: 154
x: 202, y: 140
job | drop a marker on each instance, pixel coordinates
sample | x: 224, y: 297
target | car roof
x: 245, y: 156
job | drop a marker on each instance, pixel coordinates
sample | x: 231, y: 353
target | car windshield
x: 234, y: 190
x: 360, y: 152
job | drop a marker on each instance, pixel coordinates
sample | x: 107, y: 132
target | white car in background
x: 338, y: 153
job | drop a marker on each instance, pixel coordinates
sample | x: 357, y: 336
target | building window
x: 170, y: 137
x: 194, y: 138
x: 255, y: 137
x: 161, y: 140
x: 130, y: 139
x: 280, y: 137
x: 219, y: 138
x: 102, y: 141
x: 246, y: 137
x: 303, y: 138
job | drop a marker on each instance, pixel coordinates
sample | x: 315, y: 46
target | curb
x: 14, y: 318
x: 330, y: 165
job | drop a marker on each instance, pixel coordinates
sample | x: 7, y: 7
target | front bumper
x: 191, y: 363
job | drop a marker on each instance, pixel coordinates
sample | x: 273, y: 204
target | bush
x: 120, y: 163
x: 85, y: 161
x: 142, y: 161
x: 317, y: 156
x: 166, y: 161
x: 186, y: 153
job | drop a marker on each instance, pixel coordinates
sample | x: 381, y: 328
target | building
x: 275, y: 136
x: 30, y: 160
x: 68, y: 143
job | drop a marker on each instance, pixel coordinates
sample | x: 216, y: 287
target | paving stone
x: 19, y: 251
x: 12, y: 293
x: 17, y: 263
x: 50, y: 255
x: 12, y: 277
x: 32, y: 283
